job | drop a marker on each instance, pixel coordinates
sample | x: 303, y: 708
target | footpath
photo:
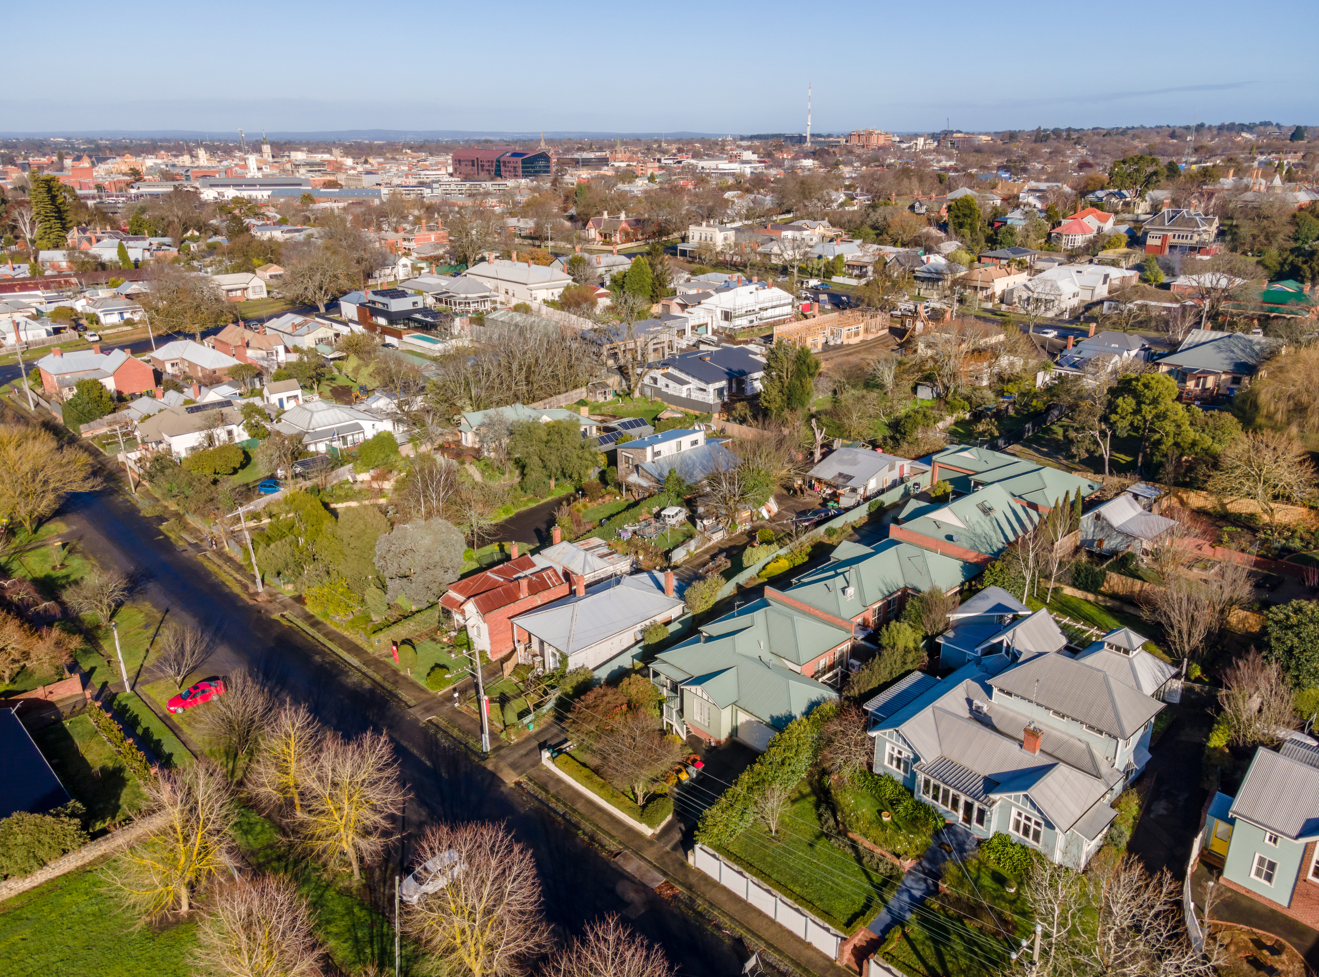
x: 519, y: 763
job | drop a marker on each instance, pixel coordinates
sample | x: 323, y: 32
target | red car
x: 201, y: 692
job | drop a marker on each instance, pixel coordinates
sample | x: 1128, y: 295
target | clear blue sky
x: 294, y: 65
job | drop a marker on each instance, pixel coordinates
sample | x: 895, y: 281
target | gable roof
x: 1034, y: 635
x: 501, y: 585
x: 83, y: 361
x: 1080, y: 691
x: 1139, y: 669
x: 713, y: 366
x: 1125, y: 514
x: 1233, y: 353
x: 771, y: 627
x: 1280, y: 793
x: 991, y: 600
x: 853, y: 466
x: 874, y: 573
x: 195, y: 353
x: 619, y: 605
x: 27, y: 782
x: 986, y: 521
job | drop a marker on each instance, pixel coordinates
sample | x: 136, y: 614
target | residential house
x: 1286, y: 299
x: 469, y: 427
x: 749, y: 674
x: 632, y: 454
x: 461, y: 296
x: 976, y: 528
x: 702, y: 380
x: 967, y: 469
x: 1113, y: 350
x: 1071, y: 235
x: 112, y: 311
x: 993, y: 622
x: 601, y: 267
x: 615, y: 230
x: 738, y: 305
x: 301, y: 333
x: 271, y: 274
x: 282, y: 394
x: 116, y: 370
x: 718, y: 237
x: 240, y: 287
x: 1098, y: 220
x: 396, y: 308
x: 591, y: 558
x: 1122, y: 654
x: 1211, y: 363
x: 855, y: 474
x: 990, y: 281
x: 1267, y: 837
x: 185, y: 358
x: 591, y: 627
x: 870, y: 585
x: 180, y: 431
x: 486, y: 602
x: 643, y: 341
x: 1059, y: 290
x: 517, y: 281
x: 268, y: 351
x: 1121, y: 525
x: 1179, y: 231
x: 325, y: 425
x: 693, y: 465
x: 1036, y: 745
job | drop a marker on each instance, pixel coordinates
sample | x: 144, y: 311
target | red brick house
x: 485, y: 602
x: 116, y: 370
x: 615, y: 230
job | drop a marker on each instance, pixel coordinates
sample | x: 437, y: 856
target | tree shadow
x: 99, y: 789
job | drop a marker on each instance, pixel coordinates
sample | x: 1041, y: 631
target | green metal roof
x: 876, y: 573
x: 986, y: 521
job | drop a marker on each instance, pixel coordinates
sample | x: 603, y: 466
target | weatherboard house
x: 1037, y: 745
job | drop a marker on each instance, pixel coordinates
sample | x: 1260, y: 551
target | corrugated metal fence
x: 782, y: 910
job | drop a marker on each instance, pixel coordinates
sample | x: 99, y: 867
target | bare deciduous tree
x: 634, y: 752
x: 353, y: 793
x: 236, y: 720
x: 1184, y: 608
x: 183, y: 649
x: 316, y: 274
x: 100, y: 592
x: 609, y: 949
x: 1256, y: 700
x: 22, y: 646
x: 474, y: 231
x: 771, y: 804
x: 848, y: 748
x: 257, y: 928
x: 39, y: 473
x: 933, y: 608
x: 289, y: 751
x: 278, y: 453
x: 191, y: 848
x: 486, y: 921
x: 431, y: 486
x: 474, y: 506
x: 1266, y: 467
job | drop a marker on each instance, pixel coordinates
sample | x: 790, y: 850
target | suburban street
x: 580, y: 881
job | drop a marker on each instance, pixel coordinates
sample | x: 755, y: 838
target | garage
x: 754, y: 733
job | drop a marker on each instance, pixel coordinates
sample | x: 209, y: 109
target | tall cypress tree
x: 639, y: 278
x: 51, y: 209
x: 125, y: 262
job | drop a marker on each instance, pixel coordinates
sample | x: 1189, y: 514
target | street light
x: 114, y: 628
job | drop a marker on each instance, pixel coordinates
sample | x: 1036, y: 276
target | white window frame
x: 1262, y: 866
x: 1028, y: 828
x: 1271, y: 839
x: 700, y: 711
x: 894, y: 752
x: 1314, y: 866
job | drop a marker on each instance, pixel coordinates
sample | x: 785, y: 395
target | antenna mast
x: 808, y: 115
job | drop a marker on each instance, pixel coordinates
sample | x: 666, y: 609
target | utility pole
x: 114, y: 627
x: 22, y: 370
x: 484, y: 701
x: 151, y: 335
x: 251, y: 552
x: 397, y: 953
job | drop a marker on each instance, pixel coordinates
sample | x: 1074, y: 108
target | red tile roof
x: 1074, y: 227
x: 1094, y: 212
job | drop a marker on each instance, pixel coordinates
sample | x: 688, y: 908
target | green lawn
x: 50, y: 567
x: 90, y: 771
x: 264, y: 307
x: 431, y: 653
x: 935, y: 944
x: 138, y: 624
x: 1088, y: 612
x: 806, y: 867
x: 861, y: 809
x: 632, y: 407
x: 161, y: 740
x: 602, y: 512
x: 73, y: 925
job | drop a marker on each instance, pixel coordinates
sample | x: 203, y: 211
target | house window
x: 1314, y: 866
x: 1270, y: 839
x: 1026, y: 827
x: 896, y: 758
x: 701, y: 712
x: 1264, y: 869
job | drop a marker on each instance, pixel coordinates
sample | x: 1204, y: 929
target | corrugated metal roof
x: 1081, y: 692
x: 1281, y: 794
x: 901, y: 693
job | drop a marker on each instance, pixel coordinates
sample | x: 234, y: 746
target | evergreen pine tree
x: 51, y: 209
x: 639, y: 278
x: 125, y: 262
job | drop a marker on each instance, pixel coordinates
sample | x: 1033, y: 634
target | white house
x: 517, y: 281
x: 180, y: 431
x: 747, y: 305
x: 1059, y: 290
x: 240, y: 287
x: 703, y: 379
x: 324, y: 424
x: 283, y: 394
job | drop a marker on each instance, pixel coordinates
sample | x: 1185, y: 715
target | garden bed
x: 656, y: 811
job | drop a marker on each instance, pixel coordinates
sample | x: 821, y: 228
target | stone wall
x: 88, y: 853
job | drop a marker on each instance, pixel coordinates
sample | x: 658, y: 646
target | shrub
x: 1006, y: 854
x: 333, y: 599
x: 593, y: 489
x: 124, y: 748
x: 224, y: 459
x: 775, y: 567
x: 1118, y: 836
x: 407, y: 656
x: 1088, y: 576
x: 764, y: 535
x: 754, y: 554
x: 655, y: 633
x: 378, y: 452
x: 437, y: 678
x: 29, y: 841
x: 702, y: 594
x: 940, y: 490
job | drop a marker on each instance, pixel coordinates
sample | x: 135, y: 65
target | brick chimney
x: 579, y: 585
x: 96, y: 348
x: 1030, y: 738
x: 668, y: 583
x: 513, y: 552
x: 556, y: 534
x: 160, y: 393
x: 1070, y: 340
x: 524, y: 587
x: 196, y: 390
x: 56, y: 352
x: 815, y: 308
x: 1092, y: 330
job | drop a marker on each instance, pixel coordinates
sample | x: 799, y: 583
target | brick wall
x: 940, y: 546
x: 499, y: 621
x: 134, y: 377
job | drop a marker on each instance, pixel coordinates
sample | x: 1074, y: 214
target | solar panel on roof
x: 202, y: 408
x: 611, y: 438
x: 629, y: 424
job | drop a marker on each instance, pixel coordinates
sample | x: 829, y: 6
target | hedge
x: 1011, y: 857
x: 657, y: 809
x: 124, y: 748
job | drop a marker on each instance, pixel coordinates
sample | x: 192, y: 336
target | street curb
x: 348, y: 659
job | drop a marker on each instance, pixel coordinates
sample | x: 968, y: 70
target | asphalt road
x: 580, y: 882
x: 530, y: 525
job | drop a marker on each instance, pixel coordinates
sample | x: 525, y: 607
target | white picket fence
x: 779, y: 908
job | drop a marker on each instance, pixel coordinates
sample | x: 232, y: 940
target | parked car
x: 91, y: 337
x: 812, y: 516
x: 268, y: 486
x: 196, y: 694
x: 432, y: 876
x: 1049, y: 333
